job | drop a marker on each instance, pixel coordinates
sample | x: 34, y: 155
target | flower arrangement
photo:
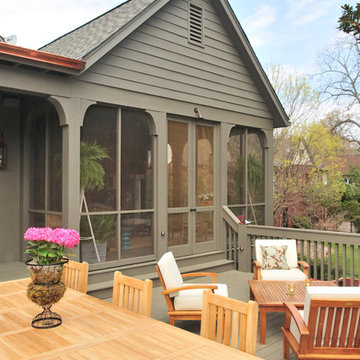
x: 49, y: 246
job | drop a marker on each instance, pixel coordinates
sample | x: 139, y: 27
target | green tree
x: 308, y: 182
x: 349, y: 21
x: 317, y: 183
x: 301, y: 103
x: 339, y: 79
x: 351, y: 197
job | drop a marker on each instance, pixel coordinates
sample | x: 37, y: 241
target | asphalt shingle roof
x: 83, y: 40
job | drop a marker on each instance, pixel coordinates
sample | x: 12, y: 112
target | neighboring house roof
x: 350, y: 160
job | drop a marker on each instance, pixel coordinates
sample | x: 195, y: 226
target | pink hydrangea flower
x: 49, y: 246
x: 65, y: 237
x: 37, y: 234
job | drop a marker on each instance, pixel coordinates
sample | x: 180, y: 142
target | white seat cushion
x: 291, y: 275
x: 192, y: 299
x: 170, y: 272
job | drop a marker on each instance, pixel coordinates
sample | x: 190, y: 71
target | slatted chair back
x: 75, y: 275
x: 229, y: 321
x: 329, y: 326
x: 334, y: 324
x: 132, y: 294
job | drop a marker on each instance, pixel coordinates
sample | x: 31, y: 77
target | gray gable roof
x: 80, y: 42
x: 96, y: 38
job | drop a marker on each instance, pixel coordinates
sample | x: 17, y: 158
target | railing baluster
x: 344, y: 264
x: 358, y: 272
x: 236, y: 249
x: 315, y: 260
x: 302, y: 250
x: 234, y: 245
x: 352, y: 264
x: 337, y: 263
x: 309, y: 257
x: 322, y: 277
x: 329, y: 277
x: 226, y: 226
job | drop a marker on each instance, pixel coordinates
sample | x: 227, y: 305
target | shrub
x: 302, y: 222
x: 356, y: 222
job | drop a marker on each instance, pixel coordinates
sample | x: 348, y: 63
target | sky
x: 290, y: 33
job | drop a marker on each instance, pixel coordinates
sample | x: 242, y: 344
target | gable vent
x: 196, y: 25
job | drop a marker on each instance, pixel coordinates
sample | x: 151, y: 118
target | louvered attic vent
x: 196, y: 25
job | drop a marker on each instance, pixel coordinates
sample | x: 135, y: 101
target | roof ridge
x: 87, y: 23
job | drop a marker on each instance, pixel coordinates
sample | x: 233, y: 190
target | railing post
x: 244, y: 249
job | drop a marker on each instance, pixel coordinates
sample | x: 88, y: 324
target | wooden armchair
x: 75, y: 275
x: 329, y: 326
x: 184, y: 302
x: 132, y: 294
x: 229, y: 321
x: 294, y: 272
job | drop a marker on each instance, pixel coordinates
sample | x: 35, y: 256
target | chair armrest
x: 190, y: 287
x: 305, y: 267
x: 257, y: 270
x: 291, y: 311
x: 213, y: 275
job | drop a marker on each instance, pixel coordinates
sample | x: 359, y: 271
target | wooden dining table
x: 95, y: 329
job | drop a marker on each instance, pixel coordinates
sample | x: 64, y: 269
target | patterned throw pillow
x: 274, y: 257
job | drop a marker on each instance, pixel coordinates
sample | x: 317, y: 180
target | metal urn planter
x: 46, y: 289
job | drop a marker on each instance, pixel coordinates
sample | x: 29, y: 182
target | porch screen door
x: 190, y: 187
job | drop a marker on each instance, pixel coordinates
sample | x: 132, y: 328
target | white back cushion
x: 291, y: 253
x: 328, y: 292
x: 170, y: 272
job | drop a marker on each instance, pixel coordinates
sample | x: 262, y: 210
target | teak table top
x: 275, y: 292
x: 94, y: 329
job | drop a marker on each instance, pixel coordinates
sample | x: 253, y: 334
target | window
x: 196, y: 25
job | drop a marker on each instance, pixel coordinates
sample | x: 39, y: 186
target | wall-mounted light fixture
x: 3, y: 152
x: 198, y: 113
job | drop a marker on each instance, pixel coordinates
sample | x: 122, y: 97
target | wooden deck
x: 238, y: 288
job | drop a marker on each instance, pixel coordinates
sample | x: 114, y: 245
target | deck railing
x: 331, y: 255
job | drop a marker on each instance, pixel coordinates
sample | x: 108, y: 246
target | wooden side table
x: 271, y: 295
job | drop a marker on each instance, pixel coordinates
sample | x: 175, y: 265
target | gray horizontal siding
x: 158, y: 60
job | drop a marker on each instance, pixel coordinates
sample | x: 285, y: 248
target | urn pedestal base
x: 46, y: 319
